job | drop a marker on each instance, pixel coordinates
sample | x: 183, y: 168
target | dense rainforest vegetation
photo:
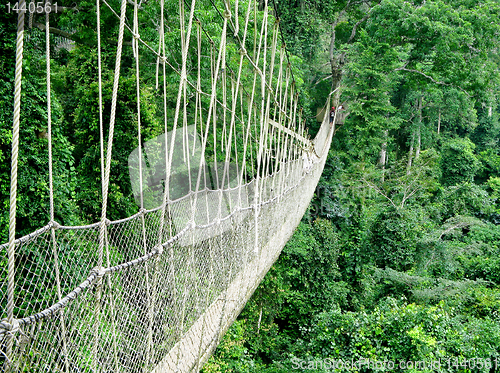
x: 397, y: 258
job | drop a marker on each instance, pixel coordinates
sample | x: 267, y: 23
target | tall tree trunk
x: 335, y: 64
x: 383, y: 154
x: 260, y: 319
x: 419, y: 138
x: 439, y: 120
x: 337, y: 59
x: 419, y: 144
x: 410, y: 154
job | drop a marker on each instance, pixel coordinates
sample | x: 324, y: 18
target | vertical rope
x: 183, y: 80
x: 223, y: 77
x: 211, y: 110
x: 237, y: 26
x: 186, y: 136
x: 235, y: 96
x: 263, y: 122
x: 294, y: 155
x: 286, y: 138
x: 162, y: 58
x: 135, y: 44
x: 51, y: 187
x: 279, y: 144
x: 101, y: 149
x: 165, y: 210
x: 112, y: 120
x: 105, y: 183
x: 11, y: 252
x: 252, y: 96
x: 224, y: 139
x: 268, y: 100
x: 254, y: 29
x: 182, y: 84
x: 198, y: 110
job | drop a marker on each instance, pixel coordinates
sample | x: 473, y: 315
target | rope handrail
x: 57, y: 225
x: 96, y: 272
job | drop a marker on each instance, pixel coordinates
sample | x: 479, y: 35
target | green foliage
x: 481, y: 260
x: 310, y: 264
x: 398, y: 331
x: 490, y: 165
x: 487, y: 134
x: 303, y: 23
x: 33, y: 198
x: 463, y: 199
x: 394, y: 238
x: 369, y: 78
x: 459, y: 164
x: 232, y: 356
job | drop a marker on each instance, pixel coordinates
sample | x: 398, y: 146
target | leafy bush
x: 459, y: 164
x: 398, y: 331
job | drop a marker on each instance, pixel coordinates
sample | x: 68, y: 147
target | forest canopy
x: 396, y: 259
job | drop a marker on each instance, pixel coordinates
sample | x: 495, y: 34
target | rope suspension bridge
x: 219, y: 193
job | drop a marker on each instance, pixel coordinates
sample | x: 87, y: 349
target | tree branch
x: 453, y: 227
x: 354, y: 29
x: 62, y: 33
x: 322, y: 79
x: 334, y: 24
x: 139, y: 5
x: 431, y: 78
x: 374, y: 187
x: 423, y: 74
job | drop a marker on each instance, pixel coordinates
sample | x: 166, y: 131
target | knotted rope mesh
x: 218, y: 194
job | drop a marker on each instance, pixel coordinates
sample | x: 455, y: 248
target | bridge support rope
x: 13, y: 183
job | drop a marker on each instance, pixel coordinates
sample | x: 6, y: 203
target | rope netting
x: 219, y: 192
